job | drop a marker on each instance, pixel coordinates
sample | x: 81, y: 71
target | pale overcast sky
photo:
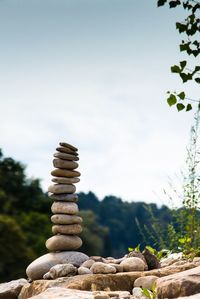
x: 93, y: 73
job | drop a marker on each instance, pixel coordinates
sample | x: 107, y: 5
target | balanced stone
x: 63, y: 242
x: 65, y: 173
x: 64, y: 197
x: 64, y: 156
x: 70, y: 229
x: 66, y: 219
x: 70, y: 208
x: 58, y: 163
x: 61, y: 180
x: 65, y: 144
x: 62, y: 188
x: 66, y: 150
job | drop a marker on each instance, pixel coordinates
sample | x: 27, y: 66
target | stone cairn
x: 66, y: 222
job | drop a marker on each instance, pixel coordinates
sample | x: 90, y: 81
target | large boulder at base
x: 11, y: 290
x: 185, y: 283
x: 43, y: 264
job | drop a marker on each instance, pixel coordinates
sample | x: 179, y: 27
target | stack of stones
x: 67, y: 224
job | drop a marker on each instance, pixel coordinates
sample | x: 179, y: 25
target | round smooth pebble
x: 101, y: 268
x: 43, y: 264
x: 84, y: 270
x: 133, y: 264
x: 68, y: 145
x: 65, y: 173
x: 119, y: 268
x: 61, y: 188
x: 60, y: 180
x: 88, y: 264
x: 145, y: 282
x: 63, y: 242
x: 70, y: 229
x: 64, y: 197
x: 65, y: 156
x: 66, y: 150
x: 58, y: 163
x: 66, y: 219
x: 59, y: 207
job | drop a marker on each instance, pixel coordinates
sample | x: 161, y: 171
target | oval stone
x: 66, y: 150
x: 58, y: 163
x: 65, y: 156
x: 66, y: 219
x: 65, y: 144
x: 59, y: 207
x: 60, y: 180
x: 70, y: 229
x: 63, y: 242
x: 64, y: 197
x: 62, y: 188
x: 65, y: 173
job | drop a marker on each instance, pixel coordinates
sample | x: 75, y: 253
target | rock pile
x: 66, y: 222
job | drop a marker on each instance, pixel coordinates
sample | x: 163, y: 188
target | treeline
x: 110, y: 226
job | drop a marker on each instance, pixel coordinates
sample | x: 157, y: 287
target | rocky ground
x: 95, y: 277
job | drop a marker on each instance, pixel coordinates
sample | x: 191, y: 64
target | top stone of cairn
x: 67, y: 145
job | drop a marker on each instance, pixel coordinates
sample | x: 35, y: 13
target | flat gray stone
x: 62, y: 207
x: 60, y: 180
x: 69, y: 229
x: 59, y: 163
x: 11, y: 289
x: 63, y: 242
x: 61, y: 270
x: 66, y: 150
x: 66, y: 219
x: 65, y: 173
x: 62, y: 188
x: 64, y: 197
x: 43, y: 264
x: 65, y: 156
x: 68, y: 145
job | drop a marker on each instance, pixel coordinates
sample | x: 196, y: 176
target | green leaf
x: 130, y: 249
x: 175, y: 69
x: 173, y: 4
x: 181, y: 95
x: 185, y: 77
x: 171, y: 100
x: 161, y: 2
x: 180, y: 107
x: 189, y: 107
x: 197, y: 68
x: 183, y: 64
x: 146, y: 293
x: 197, y: 80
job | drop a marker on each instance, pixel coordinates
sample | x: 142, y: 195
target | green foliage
x: 150, y: 294
x: 190, y: 45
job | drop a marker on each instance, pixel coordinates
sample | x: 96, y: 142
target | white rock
x: 101, y: 268
x: 145, y: 282
x: 138, y: 294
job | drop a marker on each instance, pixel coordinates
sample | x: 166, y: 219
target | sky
x: 93, y: 73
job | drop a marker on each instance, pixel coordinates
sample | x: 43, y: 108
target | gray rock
x: 140, y: 255
x: 65, y: 173
x: 11, y: 290
x: 64, y: 197
x: 68, y: 145
x: 65, y: 164
x: 63, y: 242
x: 84, y: 270
x: 101, y: 268
x: 70, y: 229
x: 119, y: 268
x: 60, y: 180
x: 133, y: 264
x: 59, y: 207
x: 62, y: 188
x: 66, y: 150
x: 65, y: 156
x: 145, y: 282
x: 61, y: 270
x: 43, y: 264
x: 66, y: 219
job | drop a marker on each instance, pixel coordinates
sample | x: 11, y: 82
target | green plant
x: 150, y: 294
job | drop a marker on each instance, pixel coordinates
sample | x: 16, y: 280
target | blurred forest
x: 110, y: 226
